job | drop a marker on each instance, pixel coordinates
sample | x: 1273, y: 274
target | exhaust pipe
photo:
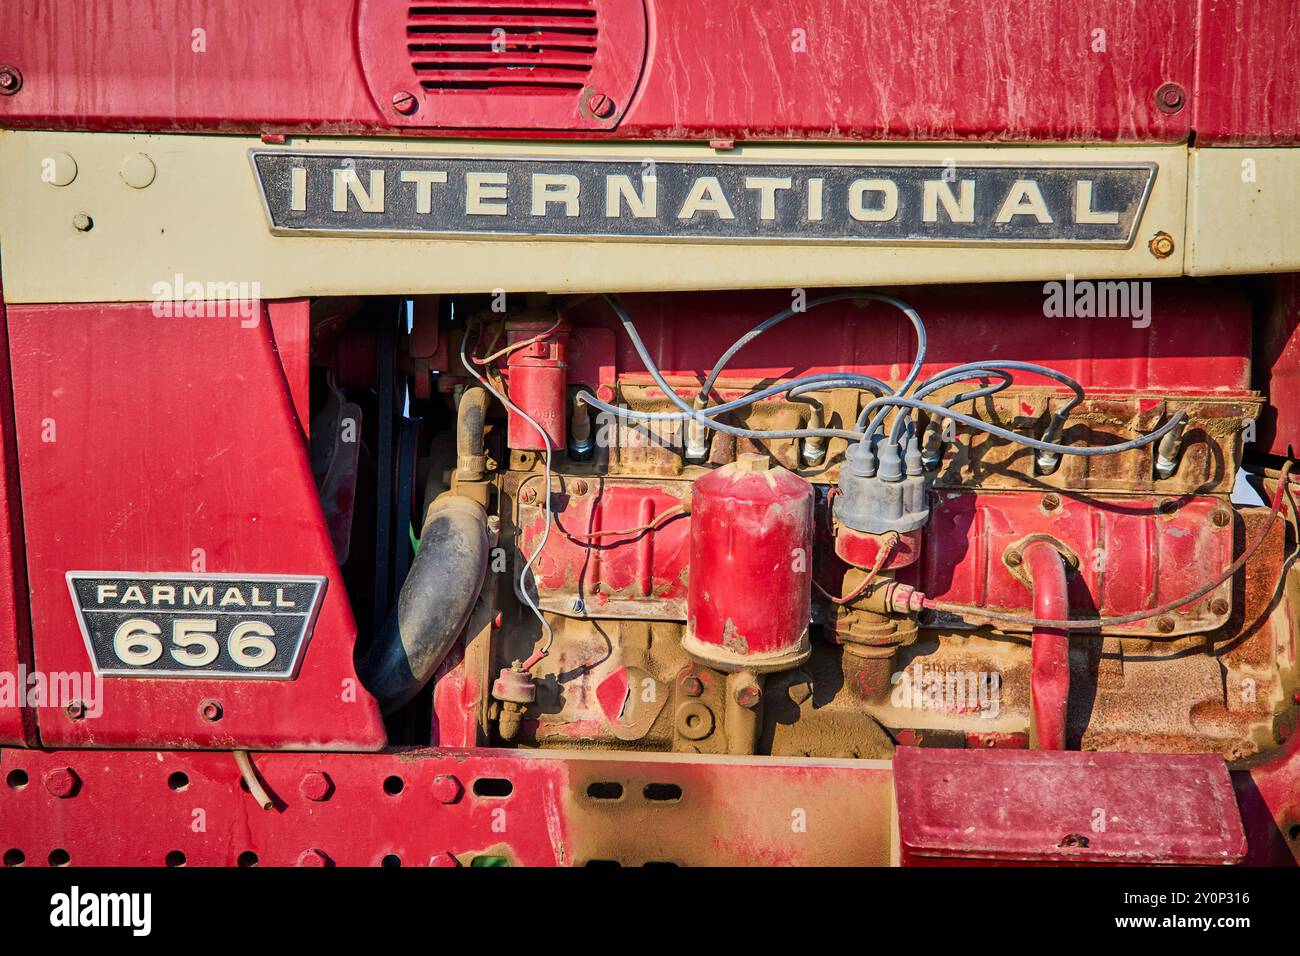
x: 434, y: 605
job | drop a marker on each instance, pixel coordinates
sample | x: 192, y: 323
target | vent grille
x: 503, y: 45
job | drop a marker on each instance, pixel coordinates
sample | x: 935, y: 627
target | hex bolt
x: 316, y: 786
x: 600, y: 105
x: 1161, y: 245
x: 1051, y: 501
x: 528, y: 496
x: 82, y: 223
x: 75, y: 710
x: 446, y: 788
x: 748, y: 695
x: 61, y: 782
x: 1165, y: 625
x: 1220, y: 606
x: 692, y: 686
x: 405, y: 102
x: 1220, y: 517
x: 800, y: 692
x: 210, y: 710
x: 313, y: 857
x: 11, y: 81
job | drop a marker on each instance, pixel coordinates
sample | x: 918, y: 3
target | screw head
x: 316, y: 786
x: 1170, y: 98
x: 1219, y: 606
x: 1161, y: 245
x: 1165, y: 625
x: 579, y: 487
x: 75, y: 710
x: 210, y: 710
x: 1051, y: 501
x: 601, y: 106
x: 1014, y: 558
x: 446, y: 788
x: 11, y: 81
x: 404, y: 102
x: 61, y: 782
x: 1220, y: 517
x: 82, y: 223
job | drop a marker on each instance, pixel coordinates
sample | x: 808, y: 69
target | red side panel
x: 1248, y: 72
x: 1011, y: 70
x: 153, y: 444
x: 17, y: 722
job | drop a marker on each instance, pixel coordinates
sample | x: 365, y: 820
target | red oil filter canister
x: 749, y: 599
x: 536, y: 381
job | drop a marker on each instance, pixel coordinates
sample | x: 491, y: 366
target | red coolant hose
x: 1049, y: 682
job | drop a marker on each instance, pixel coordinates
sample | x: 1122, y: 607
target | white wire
x: 527, y: 569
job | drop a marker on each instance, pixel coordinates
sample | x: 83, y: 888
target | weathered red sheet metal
x: 969, y: 69
x: 1065, y: 807
x: 170, y: 444
x: 440, y: 808
x: 1198, y: 338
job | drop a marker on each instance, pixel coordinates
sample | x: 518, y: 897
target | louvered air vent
x: 543, y: 48
x: 502, y: 65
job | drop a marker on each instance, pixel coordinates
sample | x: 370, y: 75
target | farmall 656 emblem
x: 247, y: 626
x: 735, y: 201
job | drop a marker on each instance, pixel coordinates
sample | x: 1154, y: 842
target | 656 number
x: 138, y: 642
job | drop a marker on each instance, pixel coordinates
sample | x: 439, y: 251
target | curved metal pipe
x: 434, y: 605
x: 1049, y: 681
